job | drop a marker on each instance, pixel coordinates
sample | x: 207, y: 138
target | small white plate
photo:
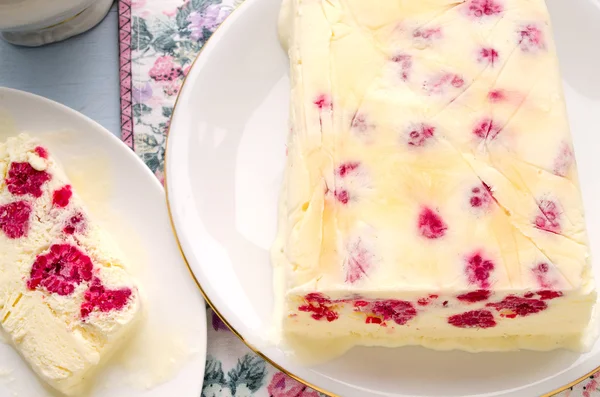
x: 225, y: 161
x: 129, y: 202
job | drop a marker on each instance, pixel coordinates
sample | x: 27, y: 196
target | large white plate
x: 129, y: 201
x: 225, y: 162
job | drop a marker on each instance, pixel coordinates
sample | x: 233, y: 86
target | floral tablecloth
x: 159, y: 39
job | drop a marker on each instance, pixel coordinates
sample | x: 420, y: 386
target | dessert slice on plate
x: 431, y: 189
x: 66, y: 299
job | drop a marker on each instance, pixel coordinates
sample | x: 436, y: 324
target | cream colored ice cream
x: 66, y: 300
x: 431, y: 195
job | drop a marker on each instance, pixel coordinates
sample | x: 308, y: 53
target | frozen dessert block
x: 431, y: 195
x: 66, y: 300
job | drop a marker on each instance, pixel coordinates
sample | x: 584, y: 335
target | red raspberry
x: 549, y: 294
x: 98, y: 297
x: 60, y: 270
x: 41, y: 151
x: 473, y: 319
x: 320, y: 307
x: 513, y: 306
x: 475, y: 296
x: 373, y: 320
x: 14, y: 219
x: 398, y: 310
x: 62, y: 196
x: 428, y: 300
x: 75, y: 224
x: 24, y: 179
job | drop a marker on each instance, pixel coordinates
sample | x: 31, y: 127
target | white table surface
x: 82, y: 72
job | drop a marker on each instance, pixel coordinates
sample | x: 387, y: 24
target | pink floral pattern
x: 158, y: 42
x: 589, y: 387
x: 165, y: 38
x: 283, y: 386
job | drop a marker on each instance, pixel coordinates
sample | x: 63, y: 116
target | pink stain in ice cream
x: 473, y: 319
x: 419, y: 134
x: 482, y: 8
x: 103, y: 299
x: 428, y: 33
x: 342, y: 196
x: 480, y: 197
x: 548, y: 218
x: 60, y: 270
x: 479, y: 270
x: 359, y: 123
x: 431, y: 224
x: 440, y: 84
x: 488, y: 55
x: 487, y: 129
x: 347, y: 168
x: 457, y: 81
x: 514, y: 306
x: 358, y: 262
x: 540, y: 272
x: 14, y: 219
x: 405, y: 62
x: 497, y: 95
x: 362, y: 127
x: 323, y: 102
x: 564, y: 160
x: 531, y: 38
x: 62, y: 196
x: 23, y: 179
x: 41, y: 151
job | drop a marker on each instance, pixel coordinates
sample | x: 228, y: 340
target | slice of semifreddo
x: 66, y: 298
x: 431, y: 193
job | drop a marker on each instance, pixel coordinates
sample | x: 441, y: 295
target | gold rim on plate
x: 207, y: 299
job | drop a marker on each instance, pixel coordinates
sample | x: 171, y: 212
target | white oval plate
x: 128, y: 200
x: 225, y: 161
